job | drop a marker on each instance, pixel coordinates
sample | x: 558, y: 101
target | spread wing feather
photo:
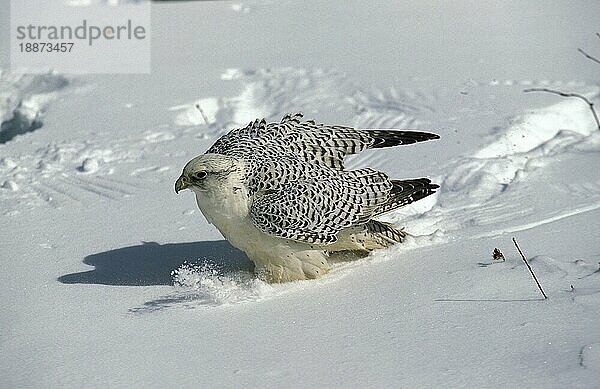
x: 311, y: 141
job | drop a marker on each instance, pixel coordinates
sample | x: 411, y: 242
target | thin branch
x: 202, y: 113
x: 598, y: 34
x: 530, y: 269
x: 563, y: 94
x: 588, y: 56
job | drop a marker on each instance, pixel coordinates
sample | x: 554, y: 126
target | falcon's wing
x: 315, y: 211
x: 311, y: 203
x: 311, y: 141
x: 307, y: 202
x: 310, y: 211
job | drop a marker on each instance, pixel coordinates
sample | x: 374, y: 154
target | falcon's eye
x: 200, y: 175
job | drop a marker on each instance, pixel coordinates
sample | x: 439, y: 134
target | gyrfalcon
x: 280, y: 193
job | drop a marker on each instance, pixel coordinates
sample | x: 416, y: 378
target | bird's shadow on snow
x: 151, y: 263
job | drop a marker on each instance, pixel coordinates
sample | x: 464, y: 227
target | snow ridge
x: 272, y: 93
x: 534, y: 140
x: 23, y: 99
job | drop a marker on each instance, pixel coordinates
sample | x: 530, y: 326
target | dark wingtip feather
x: 388, y: 138
x: 404, y: 192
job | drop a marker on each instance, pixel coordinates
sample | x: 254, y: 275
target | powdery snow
x: 112, y: 280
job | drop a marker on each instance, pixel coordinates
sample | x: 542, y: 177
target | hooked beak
x: 181, y: 184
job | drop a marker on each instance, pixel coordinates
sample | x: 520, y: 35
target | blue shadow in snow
x: 151, y: 263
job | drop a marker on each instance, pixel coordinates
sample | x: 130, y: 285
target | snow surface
x: 110, y: 279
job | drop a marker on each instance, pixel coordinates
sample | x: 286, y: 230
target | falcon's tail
x: 384, y: 234
x: 367, y: 237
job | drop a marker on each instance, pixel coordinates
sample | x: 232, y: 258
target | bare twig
x: 530, y: 269
x: 598, y: 34
x: 563, y: 94
x: 202, y: 113
x: 588, y: 56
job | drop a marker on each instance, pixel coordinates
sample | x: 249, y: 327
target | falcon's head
x: 206, y: 172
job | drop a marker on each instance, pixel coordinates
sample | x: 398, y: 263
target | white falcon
x: 280, y: 193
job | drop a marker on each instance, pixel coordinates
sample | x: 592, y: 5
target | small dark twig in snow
x: 563, y: 94
x: 588, y: 56
x: 202, y: 113
x: 497, y: 255
x: 530, y: 269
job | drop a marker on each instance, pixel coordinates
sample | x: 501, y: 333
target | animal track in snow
x: 61, y: 172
